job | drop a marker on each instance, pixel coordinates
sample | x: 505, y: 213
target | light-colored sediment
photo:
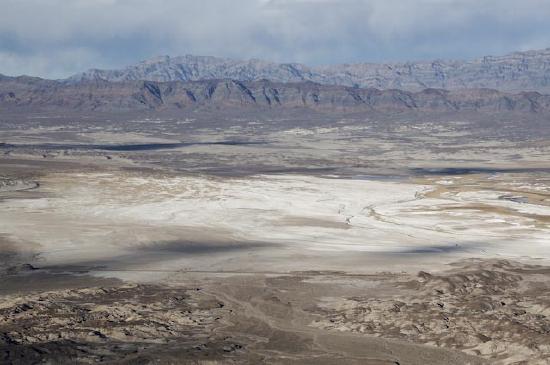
x: 103, y: 216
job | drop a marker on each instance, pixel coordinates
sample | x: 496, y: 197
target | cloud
x: 55, y: 38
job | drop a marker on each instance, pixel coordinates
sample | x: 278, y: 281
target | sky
x: 57, y: 38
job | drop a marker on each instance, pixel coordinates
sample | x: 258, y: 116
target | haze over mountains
x: 519, y: 71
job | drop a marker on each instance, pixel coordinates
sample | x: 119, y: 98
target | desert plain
x: 208, y: 239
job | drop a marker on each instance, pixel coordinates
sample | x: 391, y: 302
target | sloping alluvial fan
x: 519, y: 71
x: 100, y: 95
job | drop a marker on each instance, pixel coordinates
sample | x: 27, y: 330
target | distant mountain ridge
x: 518, y: 71
x: 27, y: 94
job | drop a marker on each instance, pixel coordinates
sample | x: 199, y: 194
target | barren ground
x: 353, y: 242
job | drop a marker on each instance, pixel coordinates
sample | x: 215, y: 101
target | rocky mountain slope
x: 25, y: 93
x: 520, y: 71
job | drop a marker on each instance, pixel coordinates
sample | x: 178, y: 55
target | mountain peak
x: 518, y: 71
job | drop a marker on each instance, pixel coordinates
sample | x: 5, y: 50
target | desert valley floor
x: 399, y: 240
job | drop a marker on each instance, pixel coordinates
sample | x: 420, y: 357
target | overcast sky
x: 56, y: 38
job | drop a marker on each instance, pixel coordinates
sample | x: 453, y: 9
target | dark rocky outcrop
x: 38, y: 94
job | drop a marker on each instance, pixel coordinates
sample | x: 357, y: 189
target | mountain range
x: 514, y: 83
x: 28, y: 93
x: 519, y: 71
